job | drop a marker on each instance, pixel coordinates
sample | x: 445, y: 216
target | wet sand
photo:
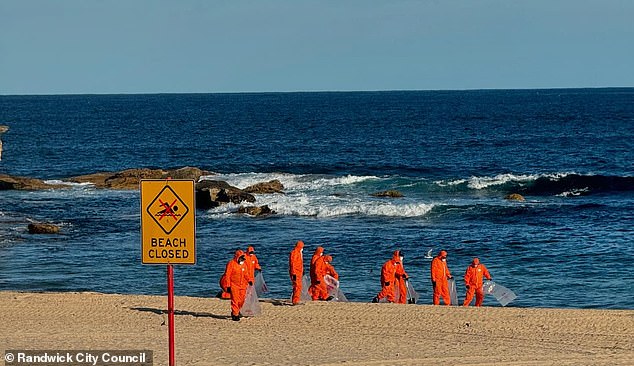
x: 318, y: 333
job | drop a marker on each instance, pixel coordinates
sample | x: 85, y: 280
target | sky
x: 206, y: 46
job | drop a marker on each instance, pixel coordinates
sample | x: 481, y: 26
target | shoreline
x: 317, y: 333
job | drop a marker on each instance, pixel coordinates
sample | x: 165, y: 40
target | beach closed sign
x: 168, y: 222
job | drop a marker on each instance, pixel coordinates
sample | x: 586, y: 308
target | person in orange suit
x: 313, y: 277
x: 296, y: 270
x: 252, y: 264
x: 323, y: 267
x: 401, y: 276
x: 439, y: 276
x: 388, y: 278
x: 473, y: 280
x: 236, y: 281
x: 252, y: 261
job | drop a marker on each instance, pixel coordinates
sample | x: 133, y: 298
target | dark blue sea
x: 453, y: 154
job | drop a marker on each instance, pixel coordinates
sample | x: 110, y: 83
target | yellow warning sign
x: 168, y: 222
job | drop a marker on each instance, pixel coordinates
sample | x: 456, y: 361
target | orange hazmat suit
x: 322, y: 268
x: 296, y: 270
x: 388, y: 278
x: 236, y: 281
x: 439, y: 275
x: 473, y: 280
x: 401, y: 277
x: 313, y: 277
x: 252, y: 262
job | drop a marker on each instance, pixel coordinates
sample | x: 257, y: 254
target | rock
x: 188, y: 172
x: 514, y: 197
x: 273, y: 186
x: 126, y: 179
x: 390, y: 193
x: 131, y: 178
x: 256, y: 210
x: 8, y: 182
x: 213, y: 193
x: 3, y: 129
x: 98, y: 179
x: 42, y: 228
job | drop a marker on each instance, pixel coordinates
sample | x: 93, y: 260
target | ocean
x: 454, y: 155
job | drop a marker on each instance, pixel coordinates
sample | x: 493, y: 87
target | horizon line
x: 319, y: 91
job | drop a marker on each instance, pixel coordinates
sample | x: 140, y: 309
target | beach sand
x: 317, y: 333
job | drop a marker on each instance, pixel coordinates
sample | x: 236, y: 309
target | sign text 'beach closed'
x: 168, y: 222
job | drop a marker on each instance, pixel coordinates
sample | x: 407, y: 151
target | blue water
x: 453, y: 154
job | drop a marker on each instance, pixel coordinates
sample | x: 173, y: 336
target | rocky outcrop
x: 213, y: 193
x: 256, y: 210
x: 131, y: 178
x: 8, y: 182
x: 187, y: 172
x: 273, y: 186
x: 3, y: 129
x: 98, y: 179
x: 514, y: 197
x: 43, y: 228
x: 390, y: 193
x: 126, y: 179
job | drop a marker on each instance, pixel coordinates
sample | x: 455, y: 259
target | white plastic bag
x: 251, y: 305
x: 453, y: 293
x: 397, y: 292
x: 260, y: 286
x: 412, y: 295
x: 502, y: 294
x: 305, y: 285
x: 333, y: 289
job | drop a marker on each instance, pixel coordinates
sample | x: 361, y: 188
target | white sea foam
x: 574, y: 192
x: 304, y: 204
x: 485, y: 182
x: 71, y: 184
x: 291, y: 182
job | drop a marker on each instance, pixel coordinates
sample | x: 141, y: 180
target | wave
x: 318, y: 195
x: 576, y: 184
x: 303, y: 204
x: 567, y: 184
x: 66, y: 183
x: 290, y: 181
x: 498, y: 180
x: 321, y: 195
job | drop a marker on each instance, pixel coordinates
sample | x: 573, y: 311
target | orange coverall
x: 296, y: 270
x: 401, y: 276
x: 322, y: 268
x: 313, y: 277
x: 237, y: 279
x: 439, y: 275
x: 252, y: 262
x: 473, y: 279
x: 388, y: 278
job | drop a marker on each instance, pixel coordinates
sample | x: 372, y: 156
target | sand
x: 318, y: 333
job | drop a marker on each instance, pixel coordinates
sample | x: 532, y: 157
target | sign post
x: 168, y: 233
x: 170, y: 312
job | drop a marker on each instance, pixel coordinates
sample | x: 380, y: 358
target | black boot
x: 375, y: 299
x: 235, y: 318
